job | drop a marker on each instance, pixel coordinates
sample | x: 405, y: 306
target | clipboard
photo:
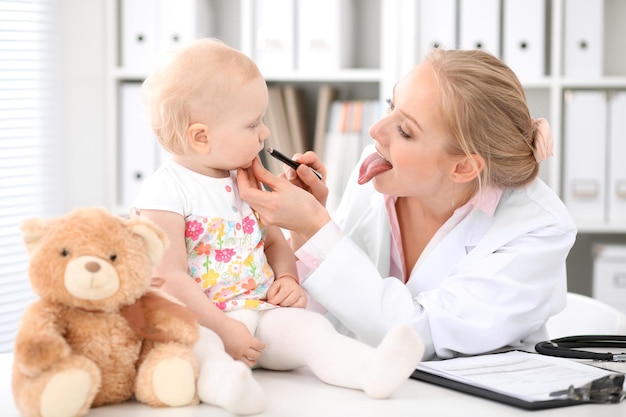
x: 602, y: 388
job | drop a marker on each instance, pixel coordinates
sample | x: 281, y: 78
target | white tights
x: 294, y: 338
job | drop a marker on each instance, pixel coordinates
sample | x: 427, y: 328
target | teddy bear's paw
x: 394, y: 361
x: 174, y: 382
x: 67, y: 394
x: 232, y: 387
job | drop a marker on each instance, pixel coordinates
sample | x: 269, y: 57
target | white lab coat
x: 491, y: 282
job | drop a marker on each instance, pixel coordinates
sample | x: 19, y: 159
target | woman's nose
x: 377, y: 130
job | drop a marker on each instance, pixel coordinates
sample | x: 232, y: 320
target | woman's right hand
x: 239, y: 342
x: 303, y: 179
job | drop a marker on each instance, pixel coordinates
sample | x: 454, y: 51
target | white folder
x: 324, y: 34
x: 617, y: 153
x: 274, y: 32
x: 583, y: 37
x: 437, y: 23
x: 183, y: 21
x: 585, y: 139
x: 139, y: 33
x: 479, y: 25
x: 524, y: 43
x: 138, y: 146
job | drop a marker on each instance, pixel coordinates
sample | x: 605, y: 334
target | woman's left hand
x: 287, y: 205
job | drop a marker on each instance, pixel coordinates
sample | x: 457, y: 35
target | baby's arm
x: 238, y: 342
x: 285, y: 291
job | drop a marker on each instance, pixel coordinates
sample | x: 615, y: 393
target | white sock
x: 230, y: 386
x: 394, y: 361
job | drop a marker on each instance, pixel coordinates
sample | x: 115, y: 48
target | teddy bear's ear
x: 153, y: 237
x: 33, y: 230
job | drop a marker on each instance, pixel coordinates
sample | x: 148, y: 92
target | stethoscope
x: 569, y: 347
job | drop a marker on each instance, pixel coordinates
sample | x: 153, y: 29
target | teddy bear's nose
x: 92, y: 266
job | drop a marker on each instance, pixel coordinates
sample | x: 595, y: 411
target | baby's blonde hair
x: 203, y: 69
x: 484, y: 107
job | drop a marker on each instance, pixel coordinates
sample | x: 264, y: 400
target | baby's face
x: 237, y: 132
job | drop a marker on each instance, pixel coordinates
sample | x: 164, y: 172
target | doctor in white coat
x: 445, y: 225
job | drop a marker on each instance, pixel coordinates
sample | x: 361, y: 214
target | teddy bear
x: 101, y: 332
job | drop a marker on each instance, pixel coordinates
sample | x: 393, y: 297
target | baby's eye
x: 390, y: 104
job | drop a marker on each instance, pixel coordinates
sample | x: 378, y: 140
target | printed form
x: 525, y: 375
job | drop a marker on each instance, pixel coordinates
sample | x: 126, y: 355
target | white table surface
x: 299, y: 393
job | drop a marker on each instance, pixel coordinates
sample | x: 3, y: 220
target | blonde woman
x: 445, y: 223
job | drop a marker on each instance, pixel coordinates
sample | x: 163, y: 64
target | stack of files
x: 285, y: 120
x: 347, y: 136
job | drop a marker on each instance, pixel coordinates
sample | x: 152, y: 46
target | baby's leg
x: 296, y: 337
x: 224, y: 381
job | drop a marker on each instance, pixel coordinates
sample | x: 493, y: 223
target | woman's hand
x: 287, y: 205
x: 315, y: 186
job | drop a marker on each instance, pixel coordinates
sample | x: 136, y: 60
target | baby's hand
x: 286, y: 292
x: 240, y: 343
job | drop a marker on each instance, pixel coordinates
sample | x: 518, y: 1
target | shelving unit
x: 386, y: 42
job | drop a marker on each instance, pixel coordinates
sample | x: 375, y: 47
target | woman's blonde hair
x: 484, y: 107
x: 198, y: 74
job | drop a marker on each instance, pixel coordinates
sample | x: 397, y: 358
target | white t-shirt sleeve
x: 160, y: 192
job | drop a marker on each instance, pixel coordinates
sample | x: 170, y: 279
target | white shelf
x: 386, y: 43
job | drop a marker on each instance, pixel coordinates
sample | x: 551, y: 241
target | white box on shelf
x: 151, y: 27
x: 479, y: 25
x: 139, y: 149
x: 583, y: 39
x: 524, y: 40
x: 139, y: 33
x: 183, y: 21
x: 609, y: 274
x: 616, y: 183
x: 437, y: 25
x: 274, y: 33
x: 584, y: 141
x: 324, y: 35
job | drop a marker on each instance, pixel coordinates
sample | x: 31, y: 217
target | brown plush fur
x: 99, y: 333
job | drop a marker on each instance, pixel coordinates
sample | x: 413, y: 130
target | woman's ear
x: 198, y: 135
x: 468, y: 168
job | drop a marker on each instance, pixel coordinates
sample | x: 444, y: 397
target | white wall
x: 83, y: 62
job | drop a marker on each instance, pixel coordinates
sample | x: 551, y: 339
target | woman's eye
x: 402, y: 132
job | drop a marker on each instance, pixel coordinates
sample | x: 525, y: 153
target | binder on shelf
x: 276, y: 121
x: 584, y: 140
x: 617, y: 150
x: 325, y: 97
x: 295, y: 118
x: 479, y: 25
x: 139, y: 33
x: 437, y: 25
x: 583, y: 38
x: 183, y: 21
x: 524, y: 43
x: 149, y: 28
x: 274, y: 32
x: 139, y: 149
x: 324, y: 35
x: 609, y: 274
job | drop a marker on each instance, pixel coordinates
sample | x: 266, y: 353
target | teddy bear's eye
x: 65, y: 252
x: 113, y: 257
